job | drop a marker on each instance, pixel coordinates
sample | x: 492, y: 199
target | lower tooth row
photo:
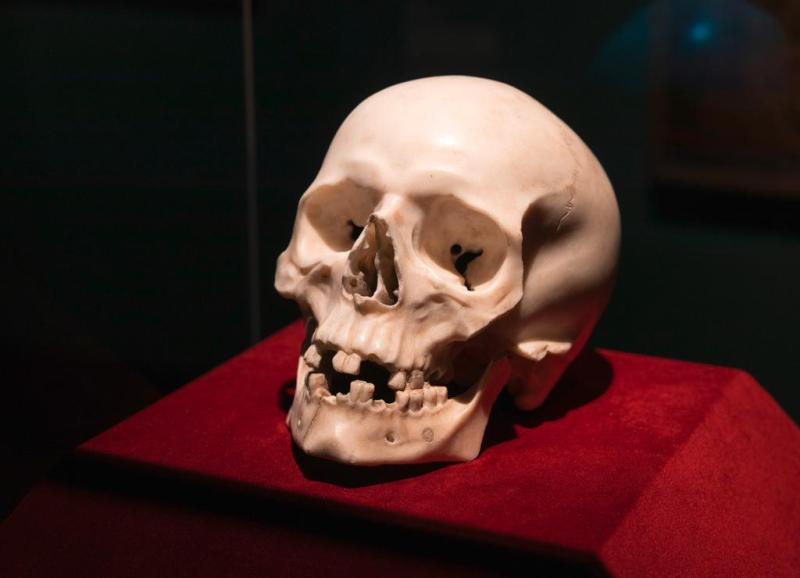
x: 416, y: 399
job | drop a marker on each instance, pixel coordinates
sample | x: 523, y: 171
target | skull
x: 458, y: 238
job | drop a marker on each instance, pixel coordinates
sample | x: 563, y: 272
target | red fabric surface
x: 62, y: 530
x: 646, y: 465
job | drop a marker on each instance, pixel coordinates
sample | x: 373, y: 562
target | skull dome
x: 458, y: 238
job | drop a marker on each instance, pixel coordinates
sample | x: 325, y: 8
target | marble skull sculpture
x: 458, y: 238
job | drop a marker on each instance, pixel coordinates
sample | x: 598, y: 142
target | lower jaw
x: 365, y: 434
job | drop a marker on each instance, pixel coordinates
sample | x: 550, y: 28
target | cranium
x: 458, y: 238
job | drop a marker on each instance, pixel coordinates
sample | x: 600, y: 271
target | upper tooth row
x: 350, y: 363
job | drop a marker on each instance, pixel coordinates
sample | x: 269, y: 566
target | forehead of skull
x: 485, y: 141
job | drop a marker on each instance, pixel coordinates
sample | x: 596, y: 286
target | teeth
x: 338, y: 361
x: 317, y: 381
x: 398, y: 380
x: 429, y: 396
x: 353, y: 364
x: 355, y: 390
x: 366, y: 393
x: 416, y: 380
x: 312, y: 356
x: 401, y: 397
x: 361, y: 390
x: 347, y: 362
x: 415, y: 400
x: 412, y: 392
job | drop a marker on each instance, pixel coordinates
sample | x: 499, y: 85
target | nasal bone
x: 371, y: 270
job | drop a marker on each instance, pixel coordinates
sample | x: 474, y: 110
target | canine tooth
x: 441, y: 394
x: 312, y: 356
x: 317, y: 381
x: 416, y: 380
x: 378, y: 405
x: 347, y: 362
x: 401, y: 397
x: 415, y: 400
x: 429, y: 396
x: 398, y: 380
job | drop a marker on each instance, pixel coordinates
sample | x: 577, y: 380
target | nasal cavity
x: 371, y: 268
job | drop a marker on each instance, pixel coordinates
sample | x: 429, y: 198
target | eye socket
x: 463, y: 241
x: 338, y: 213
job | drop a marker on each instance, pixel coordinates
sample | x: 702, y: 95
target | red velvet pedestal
x: 634, y: 466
